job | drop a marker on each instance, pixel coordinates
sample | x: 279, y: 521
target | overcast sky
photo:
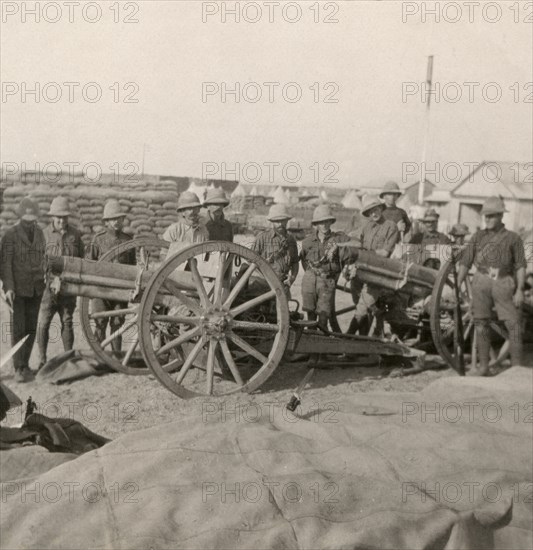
x: 370, y: 54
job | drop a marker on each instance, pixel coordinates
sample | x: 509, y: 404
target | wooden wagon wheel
x: 443, y: 319
x: 217, y: 322
x: 121, y: 362
x: 344, y: 309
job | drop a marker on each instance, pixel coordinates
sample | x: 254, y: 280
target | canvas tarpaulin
x: 449, y: 467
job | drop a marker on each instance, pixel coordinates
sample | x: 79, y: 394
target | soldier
x: 430, y: 235
x: 322, y: 267
x: 498, y: 283
x: 380, y: 236
x: 112, y: 236
x: 187, y: 229
x: 61, y: 240
x: 217, y: 226
x: 390, y: 194
x: 279, y: 247
x: 22, y: 274
x: 458, y: 233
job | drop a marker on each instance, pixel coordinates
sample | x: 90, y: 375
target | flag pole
x: 429, y: 81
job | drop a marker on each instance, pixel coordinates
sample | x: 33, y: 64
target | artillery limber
x: 214, y: 318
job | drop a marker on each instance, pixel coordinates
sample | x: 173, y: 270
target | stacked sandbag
x: 149, y: 209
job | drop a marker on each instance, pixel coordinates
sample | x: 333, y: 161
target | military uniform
x: 376, y: 235
x: 69, y: 244
x: 21, y: 271
x: 280, y: 251
x: 219, y: 230
x: 396, y: 214
x: 321, y: 275
x: 180, y: 235
x: 497, y: 255
x: 101, y: 243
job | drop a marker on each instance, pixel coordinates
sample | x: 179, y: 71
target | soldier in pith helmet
x: 62, y: 239
x: 189, y: 228
x: 390, y: 194
x: 217, y: 226
x: 322, y: 266
x: 113, y: 235
x: 278, y: 246
x: 498, y: 284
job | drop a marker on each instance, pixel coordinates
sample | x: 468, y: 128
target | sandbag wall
x: 149, y: 210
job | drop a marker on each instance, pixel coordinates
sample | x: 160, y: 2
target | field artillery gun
x: 204, y: 327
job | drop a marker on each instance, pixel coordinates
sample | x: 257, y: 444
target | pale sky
x: 369, y: 55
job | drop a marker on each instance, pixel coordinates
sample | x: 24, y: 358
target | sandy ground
x: 115, y: 403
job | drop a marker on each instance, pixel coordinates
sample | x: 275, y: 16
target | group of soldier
x: 497, y: 253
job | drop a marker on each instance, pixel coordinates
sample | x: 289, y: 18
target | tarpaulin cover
x: 447, y: 468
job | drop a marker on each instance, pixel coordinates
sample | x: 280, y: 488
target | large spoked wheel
x: 443, y: 319
x: 344, y: 309
x: 119, y: 349
x: 230, y: 329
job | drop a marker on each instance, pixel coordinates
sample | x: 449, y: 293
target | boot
x: 24, y: 375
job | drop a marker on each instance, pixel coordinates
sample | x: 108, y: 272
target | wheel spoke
x: 185, y: 300
x: 112, y: 313
x: 248, y: 348
x: 219, y: 280
x: 210, y: 374
x: 179, y: 320
x: 250, y: 325
x: 182, y: 338
x: 231, y: 363
x: 240, y: 285
x: 252, y: 303
x: 190, y: 360
x: 130, y: 351
x: 197, y: 278
x: 118, y: 332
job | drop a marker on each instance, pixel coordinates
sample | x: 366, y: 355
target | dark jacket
x: 22, y: 262
x: 68, y: 244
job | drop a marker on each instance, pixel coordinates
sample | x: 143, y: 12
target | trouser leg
x: 46, y: 314
x: 67, y: 305
x: 483, y: 344
x: 31, y: 313
x: 18, y: 331
x: 115, y: 324
x: 514, y: 329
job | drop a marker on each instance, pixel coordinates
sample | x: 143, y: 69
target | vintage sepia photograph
x: 266, y: 275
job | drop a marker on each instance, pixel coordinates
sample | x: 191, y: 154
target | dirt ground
x: 115, y: 403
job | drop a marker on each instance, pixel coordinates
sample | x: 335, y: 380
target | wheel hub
x: 215, y: 322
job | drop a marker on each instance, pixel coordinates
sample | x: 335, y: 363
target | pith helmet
x: 28, y: 210
x: 322, y: 213
x: 459, y: 229
x: 188, y: 199
x: 216, y: 196
x: 112, y: 210
x: 59, y: 207
x: 493, y: 205
x: 430, y: 215
x: 390, y: 187
x: 369, y: 202
x: 278, y: 212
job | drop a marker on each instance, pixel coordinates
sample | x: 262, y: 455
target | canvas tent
x: 280, y: 197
